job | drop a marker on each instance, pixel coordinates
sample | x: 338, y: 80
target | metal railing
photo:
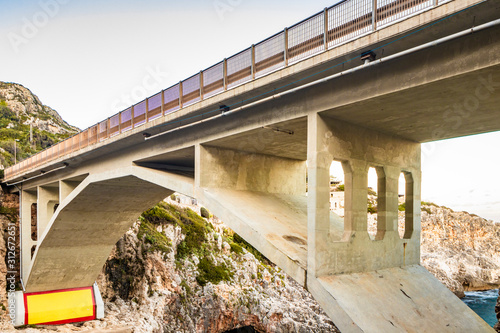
x: 333, y: 26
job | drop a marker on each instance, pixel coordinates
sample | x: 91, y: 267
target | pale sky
x: 89, y: 59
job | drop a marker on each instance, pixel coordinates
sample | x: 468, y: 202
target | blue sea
x: 483, y: 303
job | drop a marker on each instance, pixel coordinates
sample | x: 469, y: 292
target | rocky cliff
x: 462, y: 250
x: 24, y: 118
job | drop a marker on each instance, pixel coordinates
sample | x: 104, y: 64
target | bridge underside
x: 265, y: 171
x: 279, y: 202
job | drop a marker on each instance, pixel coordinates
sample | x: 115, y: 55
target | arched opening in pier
x: 372, y: 202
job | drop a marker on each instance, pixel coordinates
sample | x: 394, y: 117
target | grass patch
x: 244, y: 244
x: 10, y: 213
x: 157, y: 240
x: 236, y: 248
x: 209, y: 272
x: 193, y: 226
x: 427, y: 210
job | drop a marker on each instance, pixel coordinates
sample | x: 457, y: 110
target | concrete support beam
x: 47, y: 199
x: 65, y: 188
x: 318, y: 190
x: 28, y: 198
x: 262, y: 198
x: 227, y: 168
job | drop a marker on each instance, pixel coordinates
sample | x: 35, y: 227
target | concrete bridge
x: 253, y: 138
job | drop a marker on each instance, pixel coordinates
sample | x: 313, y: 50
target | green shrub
x: 193, y: 226
x: 340, y: 187
x: 236, y: 248
x: 158, y: 241
x: 204, y: 213
x: 427, y: 209
x: 402, y: 207
x: 209, y: 272
x: 371, y: 208
x: 259, y: 256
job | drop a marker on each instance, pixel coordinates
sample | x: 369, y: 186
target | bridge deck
x: 350, y: 32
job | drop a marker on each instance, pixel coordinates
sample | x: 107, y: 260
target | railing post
x: 146, y: 112
x: 285, y: 54
x: 224, y: 73
x: 162, y: 102
x: 253, y: 61
x: 132, y: 123
x: 120, y: 122
x: 180, y: 94
x: 325, y: 35
x: 435, y: 3
x: 374, y: 15
x: 201, y: 85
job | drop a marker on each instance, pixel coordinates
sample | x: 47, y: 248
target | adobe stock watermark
x: 455, y: 115
x: 32, y: 26
x: 153, y: 81
x: 224, y: 6
x: 11, y: 270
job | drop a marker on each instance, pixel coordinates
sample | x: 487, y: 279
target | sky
x: 90, y: 59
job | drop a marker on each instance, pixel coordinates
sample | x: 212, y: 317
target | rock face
x: 26, y: 125
x: 215, y: 286
x: 460, y: 249
x: 30, y: 109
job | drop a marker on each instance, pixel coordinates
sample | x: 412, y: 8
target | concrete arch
x: 89, y: 222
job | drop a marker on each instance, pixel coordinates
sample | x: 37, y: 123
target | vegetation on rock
x: 210, y: 272
x: 26, y: 125
x: 193, y: 226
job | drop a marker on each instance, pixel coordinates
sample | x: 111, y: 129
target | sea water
x: 483, y: 303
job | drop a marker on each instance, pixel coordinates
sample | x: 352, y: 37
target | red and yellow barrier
x: 59, y: 306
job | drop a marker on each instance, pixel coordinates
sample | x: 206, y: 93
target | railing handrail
x: 36, y: 160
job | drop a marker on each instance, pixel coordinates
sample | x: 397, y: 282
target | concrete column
x: 318, y: 195
x: 48, y: 197
x: 27, y: 199
x: 382, y: 212
x: 387, y: 200
x: 356, y: 192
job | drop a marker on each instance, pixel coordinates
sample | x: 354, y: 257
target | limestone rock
x: 31, y: 111
x: 462, y: 250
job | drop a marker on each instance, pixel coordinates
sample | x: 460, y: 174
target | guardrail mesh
x: 239, y: 68
x: 270, y: 55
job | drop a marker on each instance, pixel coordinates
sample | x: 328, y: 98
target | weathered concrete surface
x: 407, y: 299
x: 358, y: 149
